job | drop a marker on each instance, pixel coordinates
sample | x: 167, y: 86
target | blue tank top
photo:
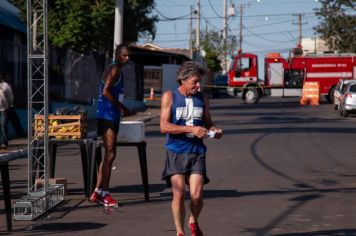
x: 106, y: 110
x: 186, y: 111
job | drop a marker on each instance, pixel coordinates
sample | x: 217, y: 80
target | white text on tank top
x: 189, y: 113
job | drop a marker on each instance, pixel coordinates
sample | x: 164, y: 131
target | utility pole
x: 241, y: 25
x: 315, y: 44
x: 190, y: 33
x: 225, y: 36
x: 225, y: 23
x: 227, y: 13
x: 119, y: 22
x: 300, y: 23
x: 206, y: 30
x: 197, y: 33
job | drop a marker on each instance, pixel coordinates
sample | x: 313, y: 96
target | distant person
x: 6, y: 101
x: 185, y: 118
x: 108, y: 114
x: 14, y: 119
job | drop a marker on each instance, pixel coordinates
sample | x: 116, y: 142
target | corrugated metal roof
x: 10, y: 20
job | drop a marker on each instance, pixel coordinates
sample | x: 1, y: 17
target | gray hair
x: 189, y: 69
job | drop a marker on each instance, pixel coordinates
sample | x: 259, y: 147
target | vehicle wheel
x: 330, y: 96
x: 343, y: 112
x: 251, y: 96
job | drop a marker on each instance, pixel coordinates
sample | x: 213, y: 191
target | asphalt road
x: 280, y: 169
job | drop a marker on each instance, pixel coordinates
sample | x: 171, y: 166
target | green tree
x: 214, y: 41
x: 138, y: 20
x: 212, y: 44
x: 212, y: 60
x: 338, y: 24
x: 86, y: 25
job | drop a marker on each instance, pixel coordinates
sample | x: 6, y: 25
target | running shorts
x: 184, y: 163
x: 102, y: 125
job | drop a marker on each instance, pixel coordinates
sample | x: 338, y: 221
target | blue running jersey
x: 186, y: 111
x: 106, y: 110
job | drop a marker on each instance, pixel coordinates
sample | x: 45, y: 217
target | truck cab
x: 243, y: 77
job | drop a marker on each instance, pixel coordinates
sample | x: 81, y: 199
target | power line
x: 282, y: 14
x: 175, y: 4
x: 214, y: 10
x: 266, y: 39
x: 188, y: 18
x: 216, y: 28
x: 256, y: 46
x: 168, y: 18
x: 277, y: 32
x: 169, y: 34
x: 185, y: 17
x: 275, y: 23
x: 280, y: 50
x: 278, y: 21
x: 175, y: 40
x: 252, y: 34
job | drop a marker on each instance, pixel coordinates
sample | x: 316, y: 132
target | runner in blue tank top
x: 186, y: 111
x: 108, y: 120
x: 107, y: 110
x: 185, y: 118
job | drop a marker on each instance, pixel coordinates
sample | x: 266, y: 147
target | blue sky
x: 269, y: 25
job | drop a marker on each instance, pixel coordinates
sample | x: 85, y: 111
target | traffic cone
x: 152, y: 94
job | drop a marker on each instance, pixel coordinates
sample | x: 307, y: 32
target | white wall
x: 314, y: 45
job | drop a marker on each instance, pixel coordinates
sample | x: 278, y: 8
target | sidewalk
x: 85, y: 217
x: 152, y: 111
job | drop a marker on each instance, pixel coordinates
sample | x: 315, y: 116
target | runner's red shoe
x: 109, y: 201
x: 195, y: 229
x: 96, y: 197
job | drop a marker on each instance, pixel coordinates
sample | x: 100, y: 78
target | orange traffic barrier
x: 311, y: 93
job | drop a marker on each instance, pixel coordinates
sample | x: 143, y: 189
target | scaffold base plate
x: 37, y: 203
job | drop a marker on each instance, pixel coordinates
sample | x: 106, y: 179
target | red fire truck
x: 284, y: 77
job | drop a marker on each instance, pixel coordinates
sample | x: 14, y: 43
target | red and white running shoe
x: 195, y: 229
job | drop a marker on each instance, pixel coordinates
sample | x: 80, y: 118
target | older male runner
x: 185, y: 118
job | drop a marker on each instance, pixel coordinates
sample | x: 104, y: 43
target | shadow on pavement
x: 335, y: 232
x: 52, y: 228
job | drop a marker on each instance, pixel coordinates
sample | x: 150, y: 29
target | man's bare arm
x: 167, y: 127
x: 208, y: 121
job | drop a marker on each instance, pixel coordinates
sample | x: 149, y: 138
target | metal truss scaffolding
x: 41, y: 196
